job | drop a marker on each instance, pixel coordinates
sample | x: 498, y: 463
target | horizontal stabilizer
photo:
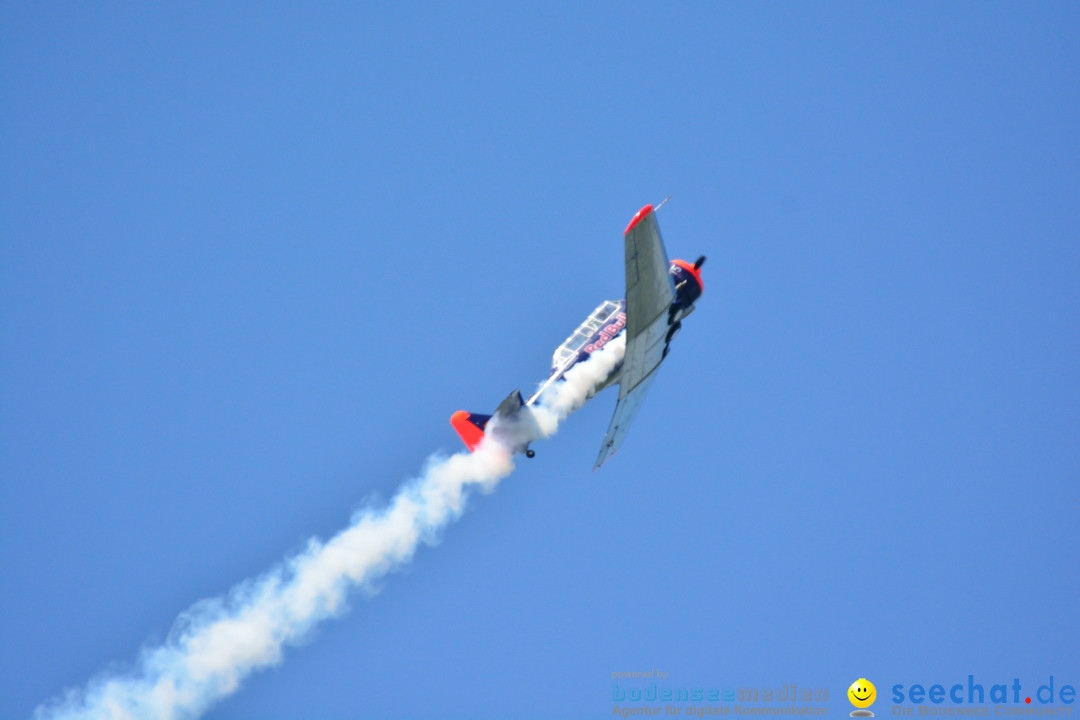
x: 509, y: 407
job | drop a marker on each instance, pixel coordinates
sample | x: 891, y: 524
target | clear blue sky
x: 254, y: 255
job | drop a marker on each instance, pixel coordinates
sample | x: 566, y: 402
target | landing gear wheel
x: 530, y: 454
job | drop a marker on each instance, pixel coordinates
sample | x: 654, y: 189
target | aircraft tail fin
x: 471, y: 426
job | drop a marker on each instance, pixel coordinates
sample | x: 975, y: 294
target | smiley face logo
x: 862, y: 693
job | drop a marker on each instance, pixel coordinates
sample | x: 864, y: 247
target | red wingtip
x: 692, y: 270
x: 637, y: 218
x: 470, y: 434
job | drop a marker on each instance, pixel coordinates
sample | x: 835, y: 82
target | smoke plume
x: 217, y: 643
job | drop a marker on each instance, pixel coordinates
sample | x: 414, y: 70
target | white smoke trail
x: 217, y: 643
x: 582, y: 382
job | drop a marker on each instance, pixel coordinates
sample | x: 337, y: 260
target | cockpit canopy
x: 601, y: 316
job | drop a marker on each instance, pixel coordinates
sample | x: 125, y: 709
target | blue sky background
x: 254, y: 255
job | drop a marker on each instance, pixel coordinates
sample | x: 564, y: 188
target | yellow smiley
x: 862, y: 693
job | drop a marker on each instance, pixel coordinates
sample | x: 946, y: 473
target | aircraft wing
x: 625, y: 410
x: 649, y: 288
x: 649, y: 294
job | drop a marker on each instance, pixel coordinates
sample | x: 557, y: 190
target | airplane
x: 659, y: 295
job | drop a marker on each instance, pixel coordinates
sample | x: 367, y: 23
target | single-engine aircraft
x: 659, y: 295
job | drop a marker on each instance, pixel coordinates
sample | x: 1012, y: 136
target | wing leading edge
x: 649, y: 294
